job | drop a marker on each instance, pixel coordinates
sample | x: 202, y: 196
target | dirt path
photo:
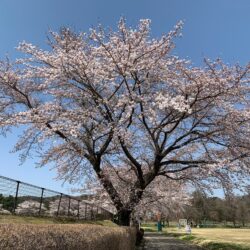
x: 158, y: 241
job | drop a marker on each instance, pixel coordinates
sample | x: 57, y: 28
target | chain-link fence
x: 21, y: 198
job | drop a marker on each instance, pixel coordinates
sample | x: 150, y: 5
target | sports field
x: 218, y: 235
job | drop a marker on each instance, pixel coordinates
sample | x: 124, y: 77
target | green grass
x: 217, y: 238
x: 210, y: 238
x: 47, y: 220
x: 212, y: 245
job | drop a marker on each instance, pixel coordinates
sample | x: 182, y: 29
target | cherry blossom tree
x: 30, y: 207
x: 121, y: 98
x: 157, y: 198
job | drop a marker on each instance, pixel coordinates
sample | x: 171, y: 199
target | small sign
x: 183, y: 222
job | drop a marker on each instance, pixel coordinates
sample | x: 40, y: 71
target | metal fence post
x: 96, y: 213
x: 86, y: 211
x: 15, y: 200
x: 78, y: 210
x: 57, y: 213
x: 41, y: 201
x: 92, y: 214
x: 69, y: 207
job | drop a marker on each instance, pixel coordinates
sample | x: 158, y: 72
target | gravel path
x: 158, y: 241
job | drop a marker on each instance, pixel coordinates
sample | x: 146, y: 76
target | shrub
x: 70, y: 237
x: 7, y: 202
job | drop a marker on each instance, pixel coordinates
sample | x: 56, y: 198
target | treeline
x: 204, y: 209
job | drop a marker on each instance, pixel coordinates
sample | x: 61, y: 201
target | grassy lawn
x: 46, y: 220
x: 217, y: 238
x: 212, y: 238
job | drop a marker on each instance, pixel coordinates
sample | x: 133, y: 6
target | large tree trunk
x: 124, y: 216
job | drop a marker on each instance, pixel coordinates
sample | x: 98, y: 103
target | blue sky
x: 213, y: 28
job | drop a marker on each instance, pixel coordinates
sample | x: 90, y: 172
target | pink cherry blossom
x: 120, y: 108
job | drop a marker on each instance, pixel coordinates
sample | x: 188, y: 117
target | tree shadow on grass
x: 223, y: 246
x: 208, y: 245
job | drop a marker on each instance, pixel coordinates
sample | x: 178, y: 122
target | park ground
x: 210, y: 238
x: 170, y: 238
x: 161, y: 241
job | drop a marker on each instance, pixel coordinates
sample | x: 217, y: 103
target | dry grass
x: 65, y: 236
x: 219, y: 236
x: 6, y: 219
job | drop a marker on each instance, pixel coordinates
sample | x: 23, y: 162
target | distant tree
x: 243, y: 211
x: 121, y: 98
x: 7, y: 202
x: 29, y: 207
x: 231, y: 208
x: 216, y: 209
x: 197, y: 210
